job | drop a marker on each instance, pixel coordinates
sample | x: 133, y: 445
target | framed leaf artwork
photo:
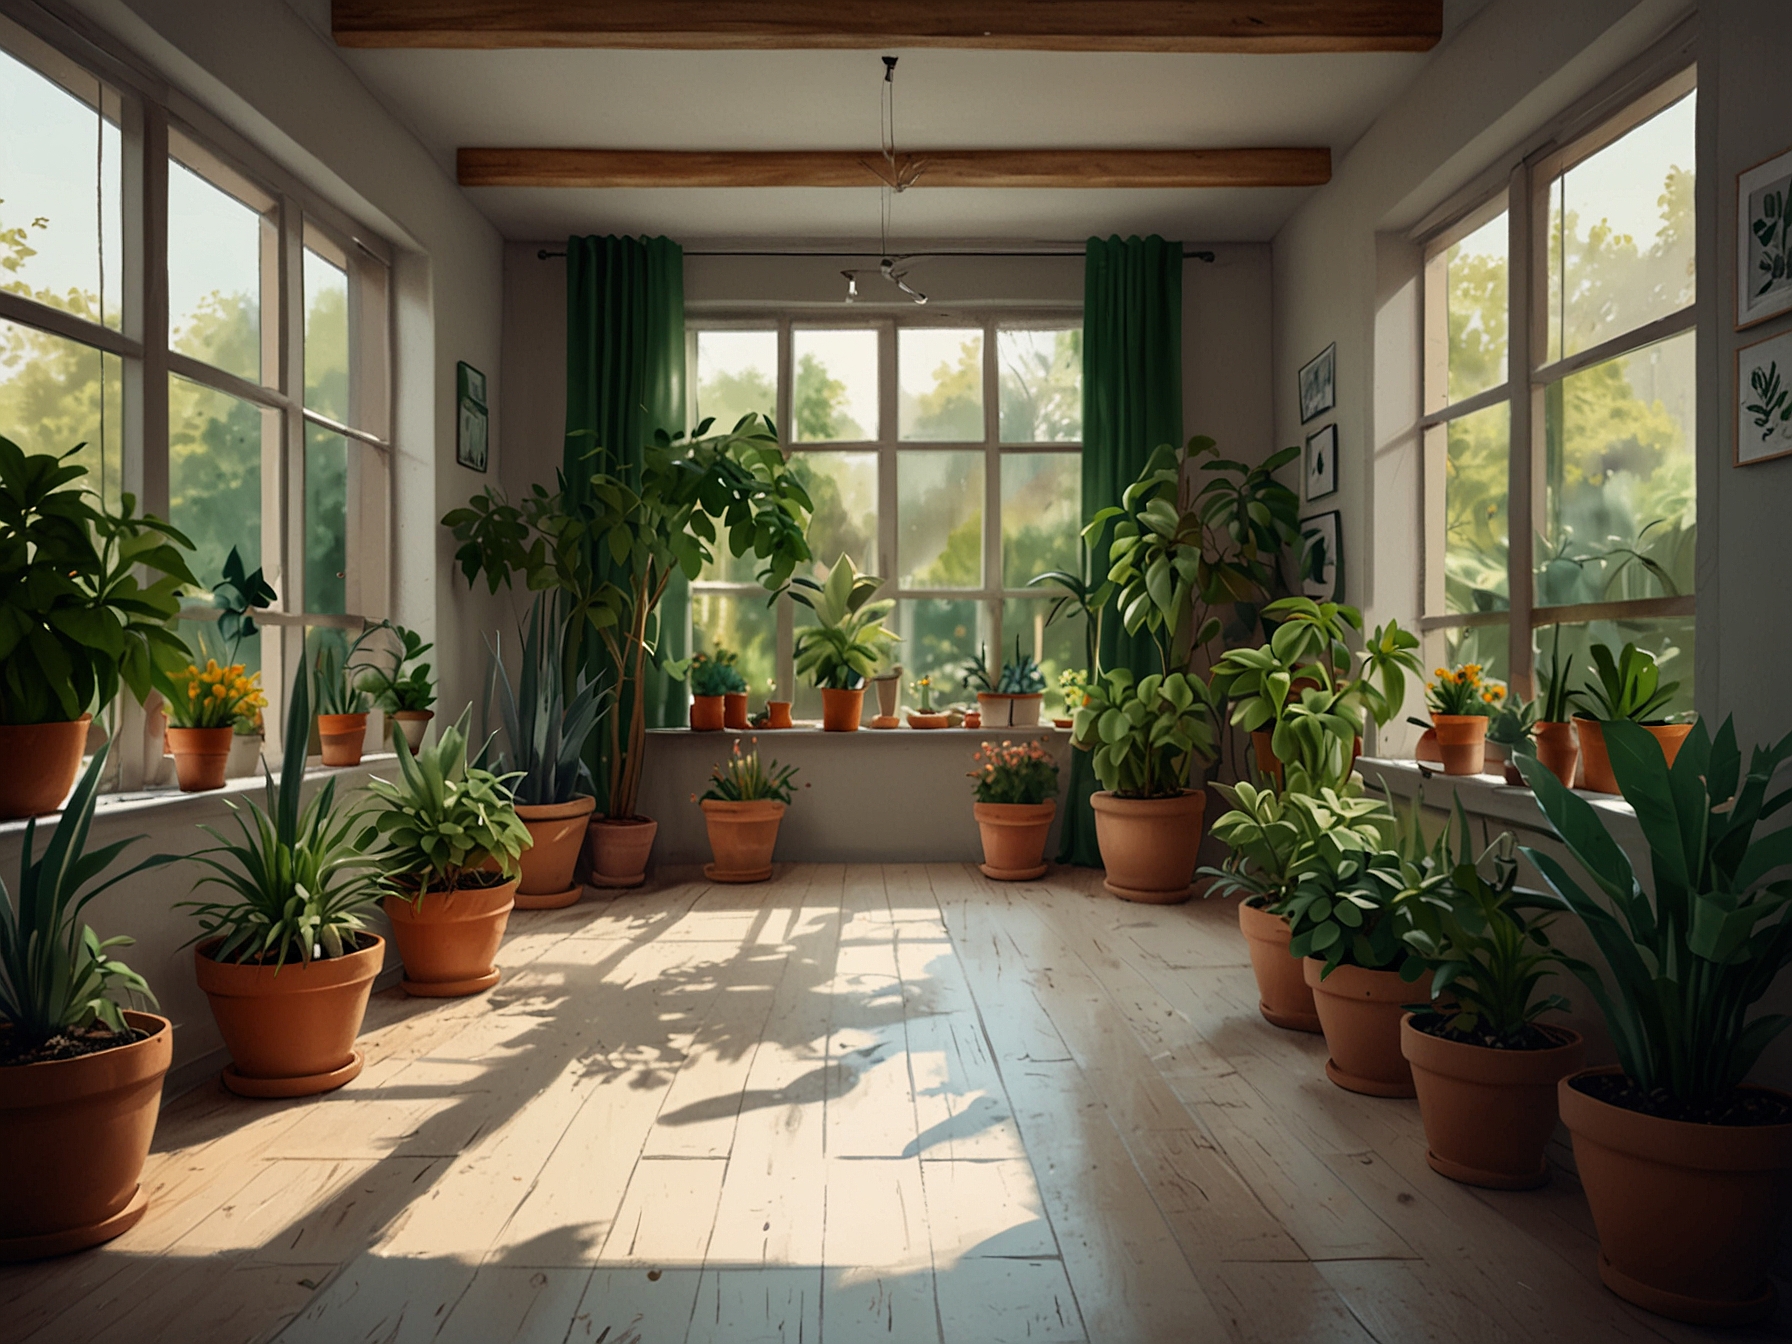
x: 1318, y: 379
x: 1320, y: 467
x: 1322, y: 557
x: 1764, y: 241
x: 1764, y: 400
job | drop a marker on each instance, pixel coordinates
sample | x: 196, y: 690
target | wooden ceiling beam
x: 1028, y: 25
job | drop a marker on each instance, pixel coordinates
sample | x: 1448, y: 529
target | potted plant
x: 547, y: 736
x: 1558, y: 745
x: 453, y: 839
x: 80, y: 1078
x: 238, y: 595
x: 1687, y: 1167
x: 285, y: 957
x: 711, y: 683
x: 1010, y: 698
x: 1485, y: 1068
x: 342, y: 705
x: 1512, y: 729
x: 845, y: 644
x: 1017, y: 797
x: 742, y: 808
x: 1461, y: 702
x: 1073, y: 685
x: 734, y: 699
x: 1625, y: 689
x: 405, y: 691
x: 889, y: 697
x: 926, y: 716
x: 1143, y: 737
x: 204, y: 708
x: 76, y: 619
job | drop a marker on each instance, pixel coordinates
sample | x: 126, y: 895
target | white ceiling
x: 831, y: 100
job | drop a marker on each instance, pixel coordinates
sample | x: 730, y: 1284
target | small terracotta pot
x: 1558, y: 749
x: 449, y: 941
x: 1283, y: 995
x: 200, y: 755
x: 244, y: 761
x: 1462, y: 742
x: 413, y: 723
x: 916, y: 719
x: 741, y: 836
x: 972, y: 719
x: 1488, y: 1113
x: 1688, y: 1215
x: 616, y: 851
x: 841, y: 710
x: 708, y: 713
x: 1427, y: 750
x: 889, y: 697
x: 342, y: 737
x: 734, y: 710
x: 1360, y: 1013
x: 42, y: 762
x: 778, y: 714
x: 291, y: 1029
x: 1014, y: 836
x: 77, y: 1133
x: 557, y: 831
x: 1149, y: 846
x: 1596, y: 762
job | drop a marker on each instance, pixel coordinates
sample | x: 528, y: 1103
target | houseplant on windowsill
x: 845, y: 644
x: 711, y: 684
x: 734, y: 699
x: 1625, y: 689
x: 405, y: 691
x: 1017, y: 797
x: 80, y: 1079
x: 238, y: 596
x: 1688, y: 1168
x: 1512, y: 728
x: 205, y: 705
x: 1073, y: 686
x: 926, y: 716
x: 1461, y: 704
x: 342, y: 706
x: 1558, y: 744
x: 1010, y: 698
x: 742, y: 809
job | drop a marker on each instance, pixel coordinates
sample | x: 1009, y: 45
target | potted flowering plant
x: 845, y: 645
x: 1461, y: 703
x: 1017, y: 797
x: 1010, y: 698
x: 1627, y: 688
x: 742, y: 809
x: 1073, y: 685
x: 204, y: 708
x: 404, y: 691
x: 926, y: 716
x: 712, y: 682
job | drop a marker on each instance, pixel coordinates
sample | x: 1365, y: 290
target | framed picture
x: 1318, y: 384
x: 472, y: 439
x: 1321, y: 463
x: 1764, y: 241
x: 1764, y: 400
x: 1322, y: 556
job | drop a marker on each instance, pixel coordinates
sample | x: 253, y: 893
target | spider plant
x: 546, y: 734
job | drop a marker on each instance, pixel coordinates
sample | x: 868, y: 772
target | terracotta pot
x: 1596, y: 763
x: 1558, y: 749
x: 970, y: 719
x: 1488, y: 1113
x: 916, y: 719
x: 42, y: 762
x: 558, y: 831
x: 1149, y: 846
x: 1262, y: 745
x: 709, y: 713
x: 741, y: 836
x: 1283, y: 995
x: 1062, y: 723
x: 841, y: 710
x: 244, y: 761
x: 200, y: 755
x: 1014, y: 836
x: 77, y: 1133
x: 1360, y: 1013
x: 290, y: 1030
x: 734, y: 710
x: 616, y: 851
x: 1461, y: 742
x: 1688, y: 1215
x: 413, y: 723
x: 342, y: 736
x: 1427, y: 749
x: 449, y: 941
x: 778, y: 714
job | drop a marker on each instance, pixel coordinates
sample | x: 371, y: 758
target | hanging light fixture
x: 892, y: 269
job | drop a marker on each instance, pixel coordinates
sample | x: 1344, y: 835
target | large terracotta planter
x: 841, y: 710
x: 742, y: 836
x: 734, y: 710
x: 42, y: 762
x: 200, y: 755
x: 412, y: 723
x: 342, y: 736
x: 708, y: 713
x: 1596, y: 763
x: 1283, y: 995
x: 290, y: 1030
x: 557, y: 831
x: 1688, y: 1215
x: 1558, y: 750
x: 76, y: 1133
x: 1360, y: 1013
x: 1488, y: 1113
x: 1014, y: 836
x: 1149, y: 846
x: 1461, y: 742
x: 449, y: 941
x: 616, y: 851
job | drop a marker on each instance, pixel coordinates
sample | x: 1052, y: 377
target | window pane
x: 1057, y: 646
x: 1041, y: 385
x: 1669, y: 639
x: 939, y: 636
x: 214, y: 274
x: 835, y: 398
x: 326, y: 521
x: 939, y: 512
x: 61, y: 227
x: 214, y: 474
x: 55, y: 393
x: 1042, y: 513
x: 1621, y: 234
x: 1476, y: 299
x: 743, y: 624
x: 939, y: 372
x: 1483, y: 644
x: 326, y: 338
x: 1619, y: 482
x: 1475, y: 519
x: 204, y: 639
x: 737, y: 374
x: 843, y: 488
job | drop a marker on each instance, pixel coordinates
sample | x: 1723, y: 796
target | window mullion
x: 283, y: 468
x: 992, y: 490
x: 1523, y: 288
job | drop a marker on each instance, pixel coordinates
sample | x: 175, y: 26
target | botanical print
x: 1764, y: 399
x: 1322, y: 563
x: 1322, y: 463
x: 1764, y: 241
x: 1318, y: 393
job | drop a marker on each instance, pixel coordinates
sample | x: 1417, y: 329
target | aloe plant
x: 547, y: 734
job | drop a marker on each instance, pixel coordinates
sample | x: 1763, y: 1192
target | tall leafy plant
x: 546, y: 733
x: 1144, y: 735
x: 848, y: 640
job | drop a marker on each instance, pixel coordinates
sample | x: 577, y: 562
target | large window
x: 945, y: 457
x: 1559, y: 389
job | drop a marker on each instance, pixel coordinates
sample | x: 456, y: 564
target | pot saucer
x: 1290, y: 1021
x: 46, y: 1244
x: 1148, y: 897
x: 742, y: 875
x: 308, y: 1085
x: 551, y: 900
x: 451, y: 989
x: 1014, y: 874
x: 1368, y: 1087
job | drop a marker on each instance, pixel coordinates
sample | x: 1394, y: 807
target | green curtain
x: 1132, y: 402
x: 625, y: 379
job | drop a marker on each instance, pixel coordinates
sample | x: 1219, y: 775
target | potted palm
x: 80, y: 1077
x: 1625, y: 689
x: 742, y: 809
x: 453, y: 840
x: 285, y: 957
x: 846, y: 642
x: 1688, y: 1168
x: 204, y: 709
x: 1017, y: 797
x: 711, y: 684
x: 404, y: 691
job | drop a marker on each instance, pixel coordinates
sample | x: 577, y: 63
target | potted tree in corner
x: 844, y: 646
x: 1017, y: 797
x: 742, y: 809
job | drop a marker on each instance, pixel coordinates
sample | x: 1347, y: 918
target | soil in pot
x: 43, y: 760
x: 557, y: 831
x: 448, y: 940
x: 777, y: 714
x: 341, y: 737
x: 616, y: 850
x: 1014, y: 836
x: 841, y: 710
x: 1360, y: 1013
x: 742, y: 836
x: 1149, y: 846
x: 709, y: 713
x: 200, y: 755
x: 1461, y: 742
x: 1283, y: 995
x: 1488, y: 1111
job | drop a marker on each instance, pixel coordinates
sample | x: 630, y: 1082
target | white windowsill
x: 1489, y: 796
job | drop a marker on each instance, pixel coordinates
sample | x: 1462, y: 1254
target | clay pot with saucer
x: 1014, y: 836
x: 1359, y: 1012
x: 1149, y: 846
x: 1283, y: 995
x: 449, y: 940
x: 617, y: 850
x: 556, y: 832
x: 742, y: 836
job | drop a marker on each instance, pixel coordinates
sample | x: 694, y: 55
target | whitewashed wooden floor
x: 898, y: 1103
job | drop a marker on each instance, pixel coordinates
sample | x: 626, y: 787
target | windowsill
x: 1488, y: 796
x: 812, y: 728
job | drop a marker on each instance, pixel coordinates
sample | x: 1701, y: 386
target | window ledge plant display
x: 1462, y: 703
x: 1017, y: 797
x: 75, y: 621
x: 405, y: 692
x: 80, y: 1079
x: 925, y: 715
x: 742, y: 809
x: 205, y: 707
x: 712, y: 683
x: 1687, y: 1167
x: 453, y: 839
x: 1627, y: 688
x: 284, y: 958
x: 1011, y: 698
x: 846, y: 643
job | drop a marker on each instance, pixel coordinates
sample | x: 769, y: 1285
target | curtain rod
x: 542, y: 254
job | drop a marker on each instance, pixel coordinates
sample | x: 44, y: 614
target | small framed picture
x: 1318, y: 384
x: 1321, y: 463
x: 472, y: 439
x: 1322, y: 556
x: 1764, y: 400
x: 1764, y: 240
